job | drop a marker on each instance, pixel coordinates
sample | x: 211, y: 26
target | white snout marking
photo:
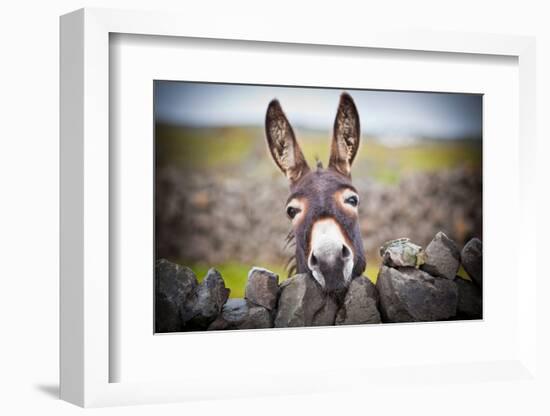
x: 327, y: 242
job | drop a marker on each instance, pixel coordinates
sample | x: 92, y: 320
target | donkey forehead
x: 320, y: 184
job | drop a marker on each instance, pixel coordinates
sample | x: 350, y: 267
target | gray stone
x: 258, y: 317
x: 410, y: 295
x: 360, y: 304
x: 442, y: 257
x: 211, y: 295
x: 303, y: 303
x: 472, y: 260
x: 262, y: 288
x: 470, y: 303
x: 327, y: 314
x: 174, y: 296
x: 402, y: 253
x: 242, y: 314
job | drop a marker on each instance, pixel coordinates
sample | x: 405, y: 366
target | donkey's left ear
x: 346, y: 136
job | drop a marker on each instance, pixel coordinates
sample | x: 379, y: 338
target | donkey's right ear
x: 282, y: 143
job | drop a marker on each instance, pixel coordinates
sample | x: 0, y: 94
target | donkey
x: 323, y: 204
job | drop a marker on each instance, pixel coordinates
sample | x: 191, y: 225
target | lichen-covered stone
x: 174, y: 296
x: 360, y: 304
x: 262, y: 288
x: 442, y: 257
x: 408, y: 295
x: 242, y: 314
x: 472, y: 260
x: 470, y: 304
x: 402, y: 253
x: 303, y: 303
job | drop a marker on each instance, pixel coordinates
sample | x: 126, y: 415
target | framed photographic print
x: 417, y: 175
x: 265, y: 203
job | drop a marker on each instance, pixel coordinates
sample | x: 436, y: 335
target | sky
x: 386, y: 114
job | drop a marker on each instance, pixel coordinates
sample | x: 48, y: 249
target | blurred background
x: 220, y: 199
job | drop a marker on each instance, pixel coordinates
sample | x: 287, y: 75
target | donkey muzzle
x: 331, y: 258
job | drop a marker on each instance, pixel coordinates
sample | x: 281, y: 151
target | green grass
x: 462, y: 273
x: 235, y: 274
x: 239, y: 149
x: 202, y: 148
x: 372, y: 271
x: 389, y: 164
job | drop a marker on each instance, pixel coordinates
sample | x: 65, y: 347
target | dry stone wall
x: 413, y: 285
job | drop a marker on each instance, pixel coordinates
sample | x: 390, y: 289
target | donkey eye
x: 292, y: 212
x: 352, y: 200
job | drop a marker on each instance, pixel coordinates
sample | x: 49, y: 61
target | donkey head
x: 323, y: 204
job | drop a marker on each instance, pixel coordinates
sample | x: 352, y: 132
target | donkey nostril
x: 345, y: 252
x: 313, y: 260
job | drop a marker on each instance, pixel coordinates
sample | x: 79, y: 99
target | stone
x: 303, y: 303
x: 258, y: 318
x: 327, y: 314
x: 174, y: 296
x: 411, y: 295
x: 472, y: 260
x: 402, y: 253
x: 262, y: 288
x: 242, y: 314
x: 442, y: 257
x: 211, y: 295
x: 470, y: 302
x: 360, y: 304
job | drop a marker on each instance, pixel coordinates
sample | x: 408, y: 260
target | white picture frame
x: 85, y: 212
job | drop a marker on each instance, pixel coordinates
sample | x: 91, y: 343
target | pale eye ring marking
x: 349, y: 200
x: 352, y: 200
x: 295, y: 209
x: 292, y: 212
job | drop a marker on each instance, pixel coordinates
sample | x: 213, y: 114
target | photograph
x: 291, y: 206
